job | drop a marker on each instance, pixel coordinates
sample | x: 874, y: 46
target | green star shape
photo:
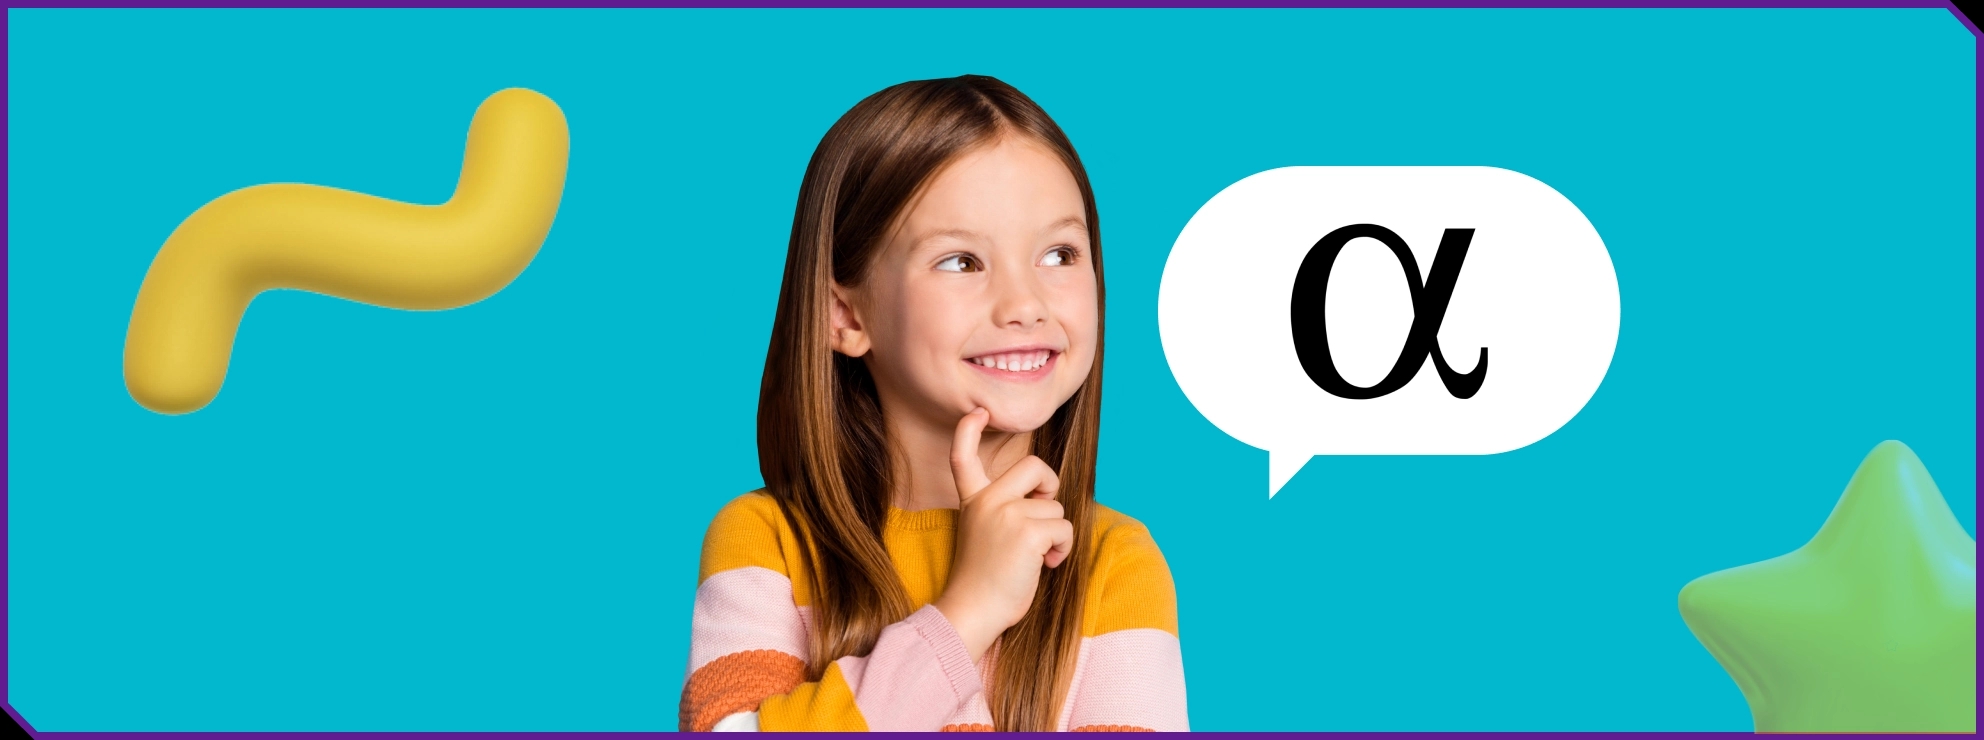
x: 1869, y: 627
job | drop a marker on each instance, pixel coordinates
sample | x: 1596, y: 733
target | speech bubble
x: 1291, y: 351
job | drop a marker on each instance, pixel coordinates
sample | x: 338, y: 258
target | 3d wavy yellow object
x: 346, y: 244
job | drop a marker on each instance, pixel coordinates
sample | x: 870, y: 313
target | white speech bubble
x: 1536, y: 288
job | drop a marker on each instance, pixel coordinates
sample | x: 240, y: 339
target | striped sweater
x: 753, y: 608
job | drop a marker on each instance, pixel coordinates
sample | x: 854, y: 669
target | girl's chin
x: 1016, y: 420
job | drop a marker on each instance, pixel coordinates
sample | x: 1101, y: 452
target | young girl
x: 927, y: 552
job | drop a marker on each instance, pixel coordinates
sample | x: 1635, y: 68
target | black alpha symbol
x: 1429, y: 308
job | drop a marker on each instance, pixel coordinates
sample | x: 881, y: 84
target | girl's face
x: 983, y: 295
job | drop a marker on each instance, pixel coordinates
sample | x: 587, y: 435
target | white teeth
x: 1016, y: 362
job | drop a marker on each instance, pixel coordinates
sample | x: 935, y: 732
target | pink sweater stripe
x: 745, y: 609
x: 919, y: 674
x: 1128, y: 677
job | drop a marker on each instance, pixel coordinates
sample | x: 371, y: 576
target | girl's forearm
x: 744, y: 657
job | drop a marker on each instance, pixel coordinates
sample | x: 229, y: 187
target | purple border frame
x: 1254, y: 4
x: 1888, y: 4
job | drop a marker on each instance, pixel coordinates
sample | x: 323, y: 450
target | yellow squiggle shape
x: 346, y: 244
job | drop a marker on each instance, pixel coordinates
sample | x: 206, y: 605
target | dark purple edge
x: 1003, y: 4
x: 5, y: 636
x: 5, y: 541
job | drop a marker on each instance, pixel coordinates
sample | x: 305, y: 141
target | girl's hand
x: 1007, y: 530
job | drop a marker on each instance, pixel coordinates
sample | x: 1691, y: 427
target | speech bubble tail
x: 1281, y: 467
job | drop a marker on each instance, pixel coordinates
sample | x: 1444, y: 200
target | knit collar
x: 923, y: 520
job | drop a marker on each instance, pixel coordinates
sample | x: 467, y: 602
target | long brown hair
x: 822, y: 446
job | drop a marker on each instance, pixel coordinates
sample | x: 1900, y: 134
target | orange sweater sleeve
x: 1130, y: 674
x: 748, y: 643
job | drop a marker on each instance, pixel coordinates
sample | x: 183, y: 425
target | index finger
x: 966, y: 469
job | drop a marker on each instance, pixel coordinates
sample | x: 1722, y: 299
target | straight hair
x: 822, y: 444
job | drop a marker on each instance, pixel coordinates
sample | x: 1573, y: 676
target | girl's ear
x: 845, y: 333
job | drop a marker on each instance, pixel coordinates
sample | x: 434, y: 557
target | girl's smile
x: 989, y: 266
x: 1016, y: 364
x: 937, y: 345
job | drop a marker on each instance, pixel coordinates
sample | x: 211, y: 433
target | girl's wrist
x: 977, y: 639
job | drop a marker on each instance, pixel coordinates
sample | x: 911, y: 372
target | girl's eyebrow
x: 964, y: 234
x: 973, y: 236
x: 1075, y: 221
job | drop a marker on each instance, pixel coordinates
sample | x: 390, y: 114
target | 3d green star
x: 1869, y: 627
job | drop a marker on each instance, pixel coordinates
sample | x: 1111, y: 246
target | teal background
x: 488, y: 518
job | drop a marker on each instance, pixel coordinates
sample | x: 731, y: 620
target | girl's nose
x: 1018, y: 301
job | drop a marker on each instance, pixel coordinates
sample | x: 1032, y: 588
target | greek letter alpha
x: 1429, y: 308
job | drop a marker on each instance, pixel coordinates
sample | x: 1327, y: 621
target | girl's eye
x: 1058, y: 256
x: 959, y: 263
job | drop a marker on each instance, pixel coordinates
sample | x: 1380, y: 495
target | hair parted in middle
x: 822, y: 444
